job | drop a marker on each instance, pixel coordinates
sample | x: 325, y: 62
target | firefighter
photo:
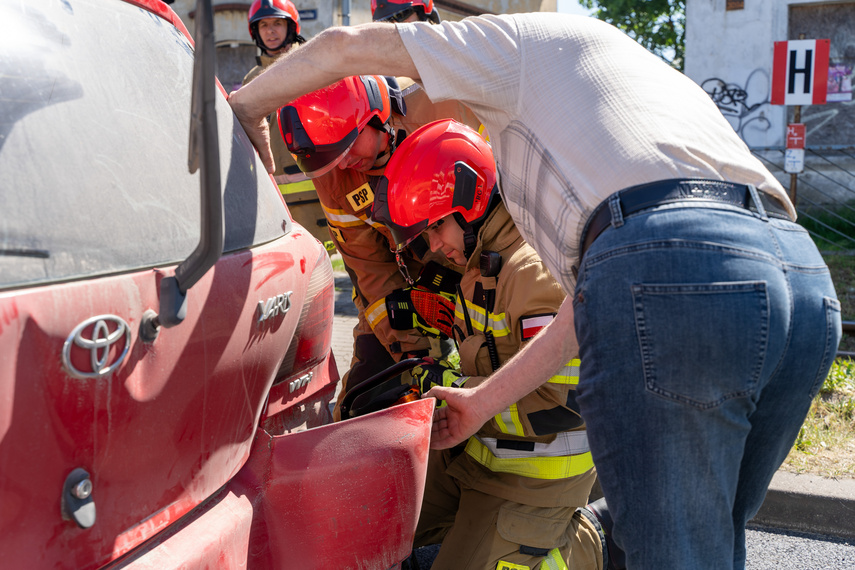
x: 509, y: 497
x: 405, y: 11
x: 342, y: 136
x: 274, y: 25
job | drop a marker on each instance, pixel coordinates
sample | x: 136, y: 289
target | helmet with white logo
x: 441, y: 169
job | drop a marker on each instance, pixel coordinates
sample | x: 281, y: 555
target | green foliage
x: 658, y: 25
x: 831, y: 230
x: 841, y: 377
x: 826, y: 441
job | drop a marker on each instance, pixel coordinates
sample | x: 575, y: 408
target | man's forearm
x: 333, y: 54
x: 551, y: 349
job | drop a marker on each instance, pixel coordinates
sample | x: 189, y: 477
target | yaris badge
x: 97, y: 335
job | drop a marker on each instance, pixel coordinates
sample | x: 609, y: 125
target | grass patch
x: 337, y: 263
x: 826, y: 443
x: 831, y: 230
x: 842, y: 269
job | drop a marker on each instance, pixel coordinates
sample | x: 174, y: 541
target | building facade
x: 236, y: 51
x: 729, y: 47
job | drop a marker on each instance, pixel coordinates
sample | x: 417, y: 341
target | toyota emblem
x: 97, y: 335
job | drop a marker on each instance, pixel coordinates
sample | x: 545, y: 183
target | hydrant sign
x: 796, y: 135
x: 794, y: 156
x: 800, y: 72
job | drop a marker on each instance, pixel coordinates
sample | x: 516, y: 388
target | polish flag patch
x: 531, y: 325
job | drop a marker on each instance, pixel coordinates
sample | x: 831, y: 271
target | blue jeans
x: 705, y: 332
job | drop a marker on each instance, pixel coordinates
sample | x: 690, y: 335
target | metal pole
x: 797, y: 118
x: 345, y: 12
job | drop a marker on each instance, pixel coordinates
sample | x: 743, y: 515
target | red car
x: 165, y: 361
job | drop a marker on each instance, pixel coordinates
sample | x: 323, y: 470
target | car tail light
x: 313, y: 335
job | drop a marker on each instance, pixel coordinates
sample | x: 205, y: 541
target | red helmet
x: 400, y: 10
x: 320, y: 127
x: 443, y: 168
x: 261, y: 9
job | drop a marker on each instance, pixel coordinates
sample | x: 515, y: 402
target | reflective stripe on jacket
x: 542, y: 435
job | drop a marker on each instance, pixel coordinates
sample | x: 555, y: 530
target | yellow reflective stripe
x: 478, y: 316
x: 553, y: 561
x: 376, y: 312
x: 295, y: 187
x: 511, y: 416
x: 482, y: 130
x: 500, y: 420
x: 346, y: 220
x: 569, y: 374
x: 559, y: 467
x: 502, y: 565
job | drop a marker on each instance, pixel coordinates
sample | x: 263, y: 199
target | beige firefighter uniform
x: 507, y: 498
x: 366, y: 248
x: 298, y: 191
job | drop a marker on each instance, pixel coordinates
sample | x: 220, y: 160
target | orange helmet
x: 441, y: 169
x: 285, y: 9
x: 400, y: 10
x: 320, y: 127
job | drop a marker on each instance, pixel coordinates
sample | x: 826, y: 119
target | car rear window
x: 94, y: 130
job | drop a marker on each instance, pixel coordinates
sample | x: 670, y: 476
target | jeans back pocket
x: 702, y: 344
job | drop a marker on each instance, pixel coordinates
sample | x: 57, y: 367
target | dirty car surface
x: 191, y: 447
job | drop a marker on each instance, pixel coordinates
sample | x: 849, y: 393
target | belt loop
x: 755, y: 197
x: 614, y: 208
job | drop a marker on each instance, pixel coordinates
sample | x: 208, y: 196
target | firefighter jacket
x: 365, y: 245
x: 536, y: 451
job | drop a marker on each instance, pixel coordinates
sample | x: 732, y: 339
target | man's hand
x: 256, y: 129
x: 456, y: 421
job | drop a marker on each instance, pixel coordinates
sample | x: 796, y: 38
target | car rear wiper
x: 203, y: 155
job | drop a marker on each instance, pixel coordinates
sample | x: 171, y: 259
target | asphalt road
x: 769, y: 549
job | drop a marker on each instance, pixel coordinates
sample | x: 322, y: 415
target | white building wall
x: 729, y: 53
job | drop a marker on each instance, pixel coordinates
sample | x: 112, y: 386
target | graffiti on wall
x: 744, y: 106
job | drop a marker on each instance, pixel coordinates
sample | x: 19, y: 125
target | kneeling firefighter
x: 511, y: 496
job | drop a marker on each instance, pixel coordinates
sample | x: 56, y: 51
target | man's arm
x: 335, y: 53
x: 467, y: 410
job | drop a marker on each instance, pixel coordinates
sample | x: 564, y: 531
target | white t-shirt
x: 576, y: 110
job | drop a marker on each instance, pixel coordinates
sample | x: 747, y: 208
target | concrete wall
x: 729, y: 53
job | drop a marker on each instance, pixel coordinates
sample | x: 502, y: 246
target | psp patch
x: 361, y: 198
x: 532, y: 324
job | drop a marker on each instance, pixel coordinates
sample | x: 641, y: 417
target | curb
x: 810, y: 504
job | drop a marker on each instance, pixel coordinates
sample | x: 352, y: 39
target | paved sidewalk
x: 803, y: 503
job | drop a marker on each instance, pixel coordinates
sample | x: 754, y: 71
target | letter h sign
x: 800, y: 72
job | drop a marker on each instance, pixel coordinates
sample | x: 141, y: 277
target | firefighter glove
x: 439, y: 373
x: 430, y: 313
